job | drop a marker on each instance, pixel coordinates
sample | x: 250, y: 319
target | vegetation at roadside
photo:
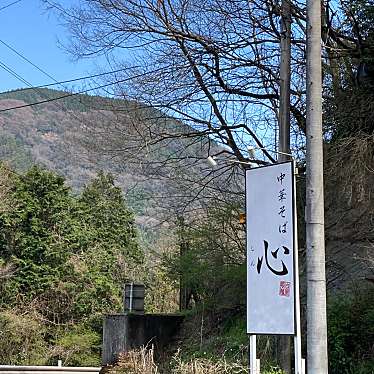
x: 67, y: 258
x: 64, y: 258
x: 142, y: 362
x: 351, y: 331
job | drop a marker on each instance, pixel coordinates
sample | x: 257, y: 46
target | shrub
x: 21, y: 340
x: 78, y: 347
x: 351, y: 332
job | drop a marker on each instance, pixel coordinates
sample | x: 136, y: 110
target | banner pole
x: 252, y: 355
x: 297, y: 338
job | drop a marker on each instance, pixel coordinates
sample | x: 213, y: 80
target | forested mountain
x: 78, y: 135
x: 48, y: 133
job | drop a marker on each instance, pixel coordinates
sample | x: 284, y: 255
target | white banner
x: 270, y: 250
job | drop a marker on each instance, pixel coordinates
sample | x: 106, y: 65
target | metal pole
x: 252, y: 355
x: 297, y: 337
x: 317, y: 361
x: 285, y: 79
x: 131, y: 295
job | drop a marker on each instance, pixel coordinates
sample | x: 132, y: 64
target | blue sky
x: 33, y: 32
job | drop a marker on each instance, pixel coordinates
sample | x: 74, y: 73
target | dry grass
x: 205, y: 366
x: 136, y: 362
x: 142, y: 362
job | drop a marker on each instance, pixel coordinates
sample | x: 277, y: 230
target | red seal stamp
x: 284, y: 288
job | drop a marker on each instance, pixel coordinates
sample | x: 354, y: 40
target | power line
x: 31, y: 87
x: 7, y: 6
x: 43, y: 94
x: 23, y: 80
x: 12, y: 72
x: 16, y: 75
x: 19, y: 54
x: 62, y: 97
x: 26, y: 59
x: 67, y: 81
x: 50, y: 76
x: 61, y: 82
x: 20, y: 78
x: 35, y: 88
x: 49, y: 99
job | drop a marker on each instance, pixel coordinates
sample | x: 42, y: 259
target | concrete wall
x: 123, y: 332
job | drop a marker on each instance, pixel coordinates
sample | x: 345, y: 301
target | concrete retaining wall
x: 123, y: 332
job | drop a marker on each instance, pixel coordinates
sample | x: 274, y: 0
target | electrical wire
x: 59, y: 83
x: 61, y: 97
x: 35, y: 88
x: 26, y: 59
x: 43, y: 94
x: 19, y: 54
x: 23, y: 80
x: 20, y: 78
x: 12, y: 72
x: 49, y: 99
x: 7, y: 6
x: 56, y: 82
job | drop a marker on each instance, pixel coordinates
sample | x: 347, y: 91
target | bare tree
x: 212, y: 70
x: 213, y: 65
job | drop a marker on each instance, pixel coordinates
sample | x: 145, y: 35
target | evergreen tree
x: 64, y: 259
x: 32, y: 233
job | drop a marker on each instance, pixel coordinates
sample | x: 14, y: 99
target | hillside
x: 75, y: 136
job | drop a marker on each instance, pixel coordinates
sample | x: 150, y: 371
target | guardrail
x: 11, y: 369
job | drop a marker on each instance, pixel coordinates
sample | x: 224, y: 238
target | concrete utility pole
x: 315, y: 235
x: 284, y: 342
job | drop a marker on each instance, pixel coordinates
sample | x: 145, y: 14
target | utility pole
x: 285, y: 81
x: 317, y: 361
x: 183, y: 247
x: 284, y: 342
